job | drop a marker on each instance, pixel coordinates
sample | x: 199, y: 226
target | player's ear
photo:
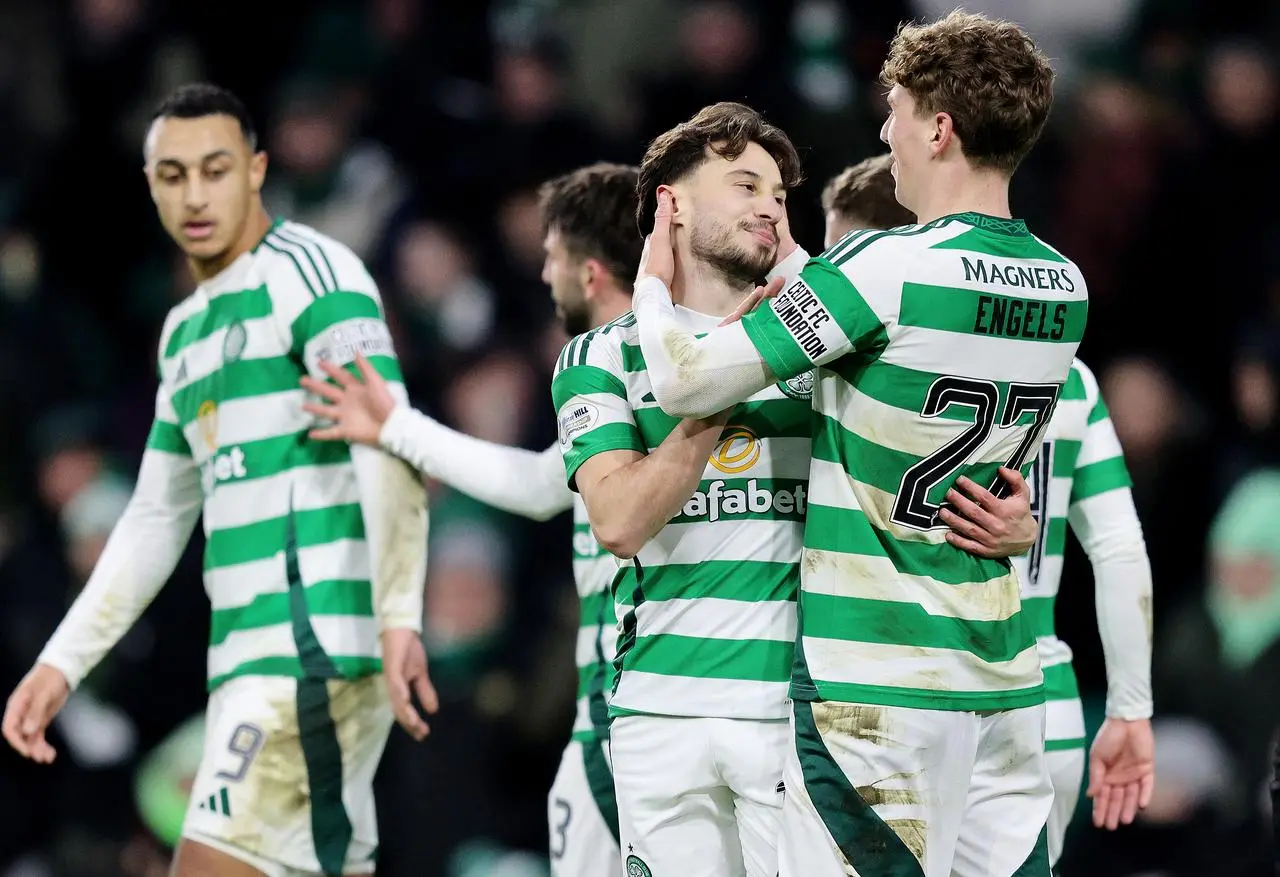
x: 257, y: 171
x: 676, y: 201
x: 943, y: 133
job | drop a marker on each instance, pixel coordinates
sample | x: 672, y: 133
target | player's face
x: 838, y: 225
x: 908, y: 137
x: 204, y: 182
x: 732, y: 209
x: 562, y: 272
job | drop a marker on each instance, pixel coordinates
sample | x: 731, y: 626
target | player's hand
x: 31, y: 708
x: 658, y: 259
x: 1122, y: 771
x: 358, y: 407
x: 786, y: 243
x: 984, y: 524
x: 404, y: 666
x: 769, y: 290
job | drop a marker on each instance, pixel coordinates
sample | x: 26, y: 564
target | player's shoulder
x: 178, y: 314
x: 1082, y: 383
x: 602, y: 347
x: 295, y: 260
x: 878, y: 259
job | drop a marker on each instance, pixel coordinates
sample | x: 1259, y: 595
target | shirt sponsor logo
x: 577, y: 417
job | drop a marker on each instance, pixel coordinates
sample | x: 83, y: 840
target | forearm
x: 394, y: 507
x: 694, y: 377
x: 631, y: 504
x: 138, y: 559
x: 1113, y: 539
x: 512, y: 479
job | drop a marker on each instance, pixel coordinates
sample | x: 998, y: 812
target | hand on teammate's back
x: 31, y: 708
x: 1122, y: 771
x: 358, y: 407
x: 987, y: 525
x: 404, y: 666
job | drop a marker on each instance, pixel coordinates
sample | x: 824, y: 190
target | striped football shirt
x: 286, y: 565
x: 1080, y: 459
x: 593, y: 572
x: 944, y: 348
x: 707, y: 610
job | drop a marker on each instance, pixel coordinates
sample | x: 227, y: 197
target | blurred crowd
x: 417, y: 131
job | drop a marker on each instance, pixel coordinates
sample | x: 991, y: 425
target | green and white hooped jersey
x: 707, y: 610
x: 943, y: 349
x: 1080, y: 459
x: 593, y: 572
x: 286, y: 566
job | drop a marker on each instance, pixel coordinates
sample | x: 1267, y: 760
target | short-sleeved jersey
x: 286, y: 565
x: 707, y: 609
x: 594, y: 570
x: 943, y: 350
x: 1079, y: 459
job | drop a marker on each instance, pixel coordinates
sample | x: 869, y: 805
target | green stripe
x: 865, y: 841
x: 267, y: 457
x: 905, y: 232
x: 920, y: 698
x: 771, y: 418
x: 1038, y: 612
x: 583, y: 380
x: 302, y: 275
x: 1020, y: 246
x: 315, y: 663
x: 222, y: 310
x: 632, y: 358
x: 264, y: 539
x: 327, y: 283
x: 971, y: 312
x: 1099, y: 477
x: 748, y: 581
x: 585, y: 346
x: 600, y: 782
x: 322, y: 753
x: 889, y: 622
x: 849, y: 240
x: 349, y: 667
x: 225, y: 797
x: 594, y: 607
x: 323, y: 313
x: 1037, y: 861
x: 898, y: 386
x: 849, y: 532
x: 332, y: 597
x: 238, y: 380
x: 1060, y: 682
x: 1055, y: 539
x: 167, y: 437
x: 593, y: 676
x: 1073, y: 389
x: 1098, y: 412
x: 1063, y: 745
x: 610, y: 437
x: 690, y: 656
x: 1065, y: 452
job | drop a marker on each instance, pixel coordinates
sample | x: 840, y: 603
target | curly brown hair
x: 986, y: 74
x: 725, y: 129
x: 593, y: 210
x: 866, y: 191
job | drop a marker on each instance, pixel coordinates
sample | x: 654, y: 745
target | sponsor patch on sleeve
x: 366, y: 336
x: 802, y: 314
x: 575, y: 418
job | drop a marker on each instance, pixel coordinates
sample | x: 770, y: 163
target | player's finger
x: 975, y: 548
x: 661, y: 234
x: 338, y: 373
x: 964, y: 527
x: 748, y: 304
x: 1097, y: 777
x: 367, y: 372
x: 328, y: 434
x: 1101, y: 804
x: 14, y: 713
x: 1015, y: 480
x: 1129, y: 809
x: 402, y: 704
x: 41, y: 751
x: 1148, y: 786
x: 971, y: 511
x: 426, y: 693
x: 978, y: 493
x: 1115, y: 804
x: 328, y: 412
x: 324, y: 389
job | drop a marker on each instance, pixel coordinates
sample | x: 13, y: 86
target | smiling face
x: 732, y: 208
x: 204, y: 180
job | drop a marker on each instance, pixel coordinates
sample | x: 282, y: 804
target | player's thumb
x: 38, y: 711
x: 1097, y: 776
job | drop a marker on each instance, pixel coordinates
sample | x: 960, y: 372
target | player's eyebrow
x: 754, y: 177
x: 204, y: 159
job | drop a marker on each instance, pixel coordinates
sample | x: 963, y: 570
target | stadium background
x: 416, y: 132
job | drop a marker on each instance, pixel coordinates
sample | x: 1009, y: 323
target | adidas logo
x: 181, y: 377
x: 219, y: 802
x: 781, y: 788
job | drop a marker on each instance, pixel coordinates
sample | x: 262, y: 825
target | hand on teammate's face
x: 658, y: 258
x: 1122, y: 772
x: 31, y: 708
x: 984, y: 524
x: 404, y: 667
x: 748, y: 304
x: 786, y: 243
x: 358, y: 408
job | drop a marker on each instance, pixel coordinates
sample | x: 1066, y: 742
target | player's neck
x: 966, y: 191
x: 701, y: 287
x: 255, y: 229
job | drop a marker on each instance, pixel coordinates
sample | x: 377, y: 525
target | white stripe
x: 346, y: 635
x: 289, y: 234
x: 1063, y: 719
x: 713, y: 618
x: 875, y: 578
x: 898, y: 666
x: 585, y: 652
x: 254, y: 418
x: 887, y: 426
x: 1050, y: 573
x: 741, y: 541
x: 978, y: 356
x: 230, y: 587
x: 1053, y: 651
x: 247, y: 645
x: 1100, y: 443
x: 690, y: 696
x: 594, y: 575
x: 236, y: 503
x: 275, y: 243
